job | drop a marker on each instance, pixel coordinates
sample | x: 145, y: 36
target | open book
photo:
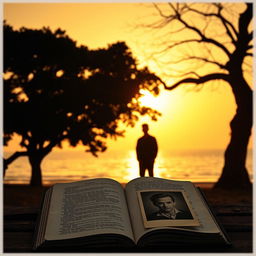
x: 98, y: 214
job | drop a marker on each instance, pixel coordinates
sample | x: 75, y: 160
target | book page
x: 89, y: 207
x: 150, y: 184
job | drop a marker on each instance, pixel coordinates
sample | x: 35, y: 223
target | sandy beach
x: 27, y: 196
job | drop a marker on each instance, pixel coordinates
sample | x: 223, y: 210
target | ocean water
x: 68, y: 166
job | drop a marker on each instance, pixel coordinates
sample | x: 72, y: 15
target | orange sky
x: 190, y: 120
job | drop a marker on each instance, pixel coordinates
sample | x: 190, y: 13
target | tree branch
x: 160, y: 11
x: 178, y: 16
x: 177, y: 44
x: 204, y: 38
x: 249, y: 54
x: 224, y: 21
x: 199, y: 80
x: 205, y: 60
x: 245, y: 19
x: 13, y: 157
x: 47, y: 149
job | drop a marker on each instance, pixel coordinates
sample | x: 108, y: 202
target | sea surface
x: 68, y: 166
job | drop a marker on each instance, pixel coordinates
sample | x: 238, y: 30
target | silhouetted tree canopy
x: 205, y: 42
x: 55, y: 90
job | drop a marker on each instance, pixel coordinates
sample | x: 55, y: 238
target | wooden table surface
x: 19, y: 225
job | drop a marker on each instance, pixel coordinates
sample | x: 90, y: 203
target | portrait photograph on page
x: 166, y: 208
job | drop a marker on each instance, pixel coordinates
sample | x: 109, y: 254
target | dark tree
x: 213, y: 41
x: 55, y: 90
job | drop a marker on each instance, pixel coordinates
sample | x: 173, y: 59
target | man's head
x: 145, y: 128
x: 164, y: 201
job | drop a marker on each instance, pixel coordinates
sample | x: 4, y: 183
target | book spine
x: 42, y: 220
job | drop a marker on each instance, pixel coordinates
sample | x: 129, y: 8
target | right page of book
x: 148, y: 209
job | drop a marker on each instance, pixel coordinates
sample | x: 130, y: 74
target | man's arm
x: 155, y: 147
x: 138, y: 150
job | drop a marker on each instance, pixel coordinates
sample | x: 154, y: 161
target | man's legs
x: 150, y: 166
x: 142, y: 169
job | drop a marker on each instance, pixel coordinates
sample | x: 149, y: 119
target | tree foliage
x: 205, y: 42
x: 56, y: 91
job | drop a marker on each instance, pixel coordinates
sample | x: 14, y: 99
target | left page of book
x: 88, y: 207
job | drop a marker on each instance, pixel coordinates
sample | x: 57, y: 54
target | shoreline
x: 200, y: 184
x: 23, y: 195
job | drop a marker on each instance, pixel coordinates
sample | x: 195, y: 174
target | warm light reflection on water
x: 133, y: 169
x: 68, y: 166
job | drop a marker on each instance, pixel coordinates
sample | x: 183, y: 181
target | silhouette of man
x: 146, y: 150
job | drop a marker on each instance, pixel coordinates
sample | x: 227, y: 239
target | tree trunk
x: 234, y: 174
x: 35, y: 161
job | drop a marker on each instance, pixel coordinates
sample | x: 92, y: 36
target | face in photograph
x: 166, y: 208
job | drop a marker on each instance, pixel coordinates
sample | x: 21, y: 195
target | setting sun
x: 149, y: 100
x: 190, y: 120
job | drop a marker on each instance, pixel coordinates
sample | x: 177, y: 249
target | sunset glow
x: 180, y: 108
x: 190, y: 120
x: 155, y: 102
